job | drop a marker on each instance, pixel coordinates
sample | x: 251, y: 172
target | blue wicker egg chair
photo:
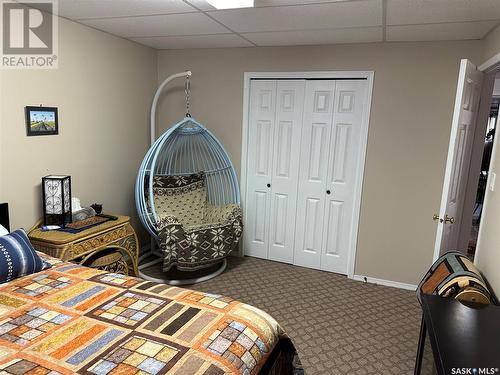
x: 188, y: 198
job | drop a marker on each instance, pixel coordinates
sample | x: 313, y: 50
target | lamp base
x: 58, y: 219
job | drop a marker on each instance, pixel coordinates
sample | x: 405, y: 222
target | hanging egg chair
x: 187, y: 197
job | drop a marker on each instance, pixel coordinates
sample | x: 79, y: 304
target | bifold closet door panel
x: 285, y: 170
x: 313, y: 172
x: 259, y: 167
x: 343, y: 166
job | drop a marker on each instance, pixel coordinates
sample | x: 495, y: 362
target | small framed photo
x: 41, y: 121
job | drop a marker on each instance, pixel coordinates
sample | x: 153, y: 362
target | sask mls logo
x: 474, y: 370
x: 29, y: 34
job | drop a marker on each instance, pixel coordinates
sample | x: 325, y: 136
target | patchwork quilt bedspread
x: 74, y: 319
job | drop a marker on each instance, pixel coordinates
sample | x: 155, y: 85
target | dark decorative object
x: 4, y: 215
x: 56, y: 192
x: 97, y: 207
x: 41, y: 121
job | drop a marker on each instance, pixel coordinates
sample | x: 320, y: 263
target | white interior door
x: 313, y: 172
x: 344, y: 162
x: 285, y: 168
x: 459, y: 154
x: 259, y: 167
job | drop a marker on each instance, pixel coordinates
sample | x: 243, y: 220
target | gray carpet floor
x: 339, y: 326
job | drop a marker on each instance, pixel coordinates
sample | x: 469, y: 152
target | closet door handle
x: 328, y: 192
x: 268, y: 185
x: 449, y: 219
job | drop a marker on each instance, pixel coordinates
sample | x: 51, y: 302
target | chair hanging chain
x: 187, y: 90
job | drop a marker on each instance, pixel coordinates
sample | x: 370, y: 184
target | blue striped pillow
x: 18, y: 257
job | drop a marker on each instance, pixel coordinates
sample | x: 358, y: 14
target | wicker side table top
x: 57, y: 237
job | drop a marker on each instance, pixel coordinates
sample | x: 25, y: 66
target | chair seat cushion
x: 196, y: 246
x: 18, y: 257
x: 220, y: 214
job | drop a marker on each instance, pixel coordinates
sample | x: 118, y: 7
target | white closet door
x: 285, y: 168
x: 313, y: 172
x: 303, y: 169
x: 259, y: 167
x: 343, y: 165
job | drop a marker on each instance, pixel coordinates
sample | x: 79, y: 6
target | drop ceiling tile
x: 166, y: 25
x: 204, y: 5
x: 406, y: 12
x: 79, y: 9
x: 363, y: 13
x: 267, y: 3
x: 303, y: 37
x: 195, y: 41
x: 439, y: 31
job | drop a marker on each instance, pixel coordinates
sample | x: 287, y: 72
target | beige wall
x: 488, y: 248
x: 103, y: 89
x: 491, y: 43
x: 412, y: 107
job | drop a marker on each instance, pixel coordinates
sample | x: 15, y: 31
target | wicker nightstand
x: 86, y: 245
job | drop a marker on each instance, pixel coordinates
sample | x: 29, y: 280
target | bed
x: 73, y: 319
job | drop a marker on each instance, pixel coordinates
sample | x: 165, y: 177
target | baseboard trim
x: 394, y: 284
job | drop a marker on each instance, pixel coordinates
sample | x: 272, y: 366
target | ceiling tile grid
x: 410, y: 12
x: 84, y: 9
x: 194, y: 41
x: 305, y: 37
x: 439, y: 31
x: 158, y: 25
x: 180, y: 24
x: 362, y: 13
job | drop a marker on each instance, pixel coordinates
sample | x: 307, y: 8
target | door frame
x: 476, y: 159
x: 343, y: 75
x: 490, y: 67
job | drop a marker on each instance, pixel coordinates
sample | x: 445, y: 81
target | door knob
x: 328, y: 192
x: 449, y: 219
x: 436, y: 217
x: 268, y: 185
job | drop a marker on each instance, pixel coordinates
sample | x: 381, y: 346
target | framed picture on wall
x: 41, y: 121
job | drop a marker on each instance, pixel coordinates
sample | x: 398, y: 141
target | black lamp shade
x: 56, y: 192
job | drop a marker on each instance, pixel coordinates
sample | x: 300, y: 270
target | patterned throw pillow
x: 454, y: 275
x: 18, y: 257
x: 183, y: 196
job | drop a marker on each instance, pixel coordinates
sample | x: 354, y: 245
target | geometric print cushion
x: 453, y: 275
x: 177, y: 181
x: 18, y: 257
x: 194, y: 247
x: 183, y: 196
x: 218, y: 214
